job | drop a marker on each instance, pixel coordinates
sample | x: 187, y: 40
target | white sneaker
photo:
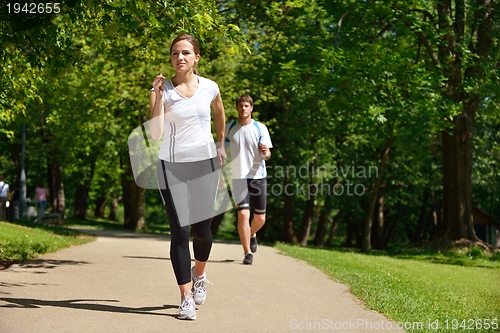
x: 199, y: 288
x: 187, y: 309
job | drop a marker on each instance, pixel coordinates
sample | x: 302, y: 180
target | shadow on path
x: 79, y: 304
x: 160, y: 258
x: 50, y: 263
x: 42, y: 263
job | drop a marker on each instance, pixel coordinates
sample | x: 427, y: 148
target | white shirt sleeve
x: 216, y: 90
x: 211, y: 86
x: 266, y: 138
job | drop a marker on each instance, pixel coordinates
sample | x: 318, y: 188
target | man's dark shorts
x: 250, y: 191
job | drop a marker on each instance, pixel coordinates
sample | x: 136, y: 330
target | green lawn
x: 26, y: 240
x: 416, y: 289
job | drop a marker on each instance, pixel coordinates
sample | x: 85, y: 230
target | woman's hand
x: 221, y: 155
x: 158, y: 85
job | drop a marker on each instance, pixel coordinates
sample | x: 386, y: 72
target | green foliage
x: 82, y: 84
x: 339, y: 80
x: 332, y: 80
x: 486, y: 167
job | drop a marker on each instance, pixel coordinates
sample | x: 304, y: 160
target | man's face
x: 244, y: 110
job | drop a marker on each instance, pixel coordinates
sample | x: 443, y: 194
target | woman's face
x: 183, y: 57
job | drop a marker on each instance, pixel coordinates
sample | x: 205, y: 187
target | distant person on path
x: 4, y: 196
x: 249, y: 144
x: 41, y: 194
x: 188, y: 168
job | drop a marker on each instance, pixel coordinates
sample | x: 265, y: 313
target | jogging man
x: 249, y: 144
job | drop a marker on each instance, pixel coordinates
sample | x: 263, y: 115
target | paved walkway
x: 124, y: 283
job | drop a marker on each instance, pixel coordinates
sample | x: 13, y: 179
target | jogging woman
x: 188, y: 165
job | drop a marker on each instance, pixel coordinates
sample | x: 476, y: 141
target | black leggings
x: 188, y: 191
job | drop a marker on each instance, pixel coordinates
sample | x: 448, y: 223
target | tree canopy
x: 384, y: 115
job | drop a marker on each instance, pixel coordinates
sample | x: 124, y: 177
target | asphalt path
x: 124, y: 282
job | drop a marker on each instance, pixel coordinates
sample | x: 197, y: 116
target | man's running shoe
x: 248, y: 259
x: 253, y: 244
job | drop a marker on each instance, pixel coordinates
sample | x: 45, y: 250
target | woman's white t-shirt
x: 187, y: 135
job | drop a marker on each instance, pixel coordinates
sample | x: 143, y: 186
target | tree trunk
x: 438, y: 218
x: 422, y: 218
x: 366, y: 244
x: 457, y: 181
x: 307, y: 221
x: 493, y: 187
x: 353, y: 233
x: 435, y: 209
x: 82, y: 193
x: 349, y: 234
x: 428, y: 224
x: 100, y: 206
x: 113, y: 207
x: 288, y: 219
x: 392, y: 227
x: 335, y: 223
x: 379, y: 226
x: 319, y: 238
x: 56, y: 188
x: 357, y: 234
x: 84, y: 177
x: 133, y: 201
x: 458, y: 143
x: 307, y: 218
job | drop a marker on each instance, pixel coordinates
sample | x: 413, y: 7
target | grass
x: 415, y: 289
x: 24, y: 240
x: 473, y: 257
